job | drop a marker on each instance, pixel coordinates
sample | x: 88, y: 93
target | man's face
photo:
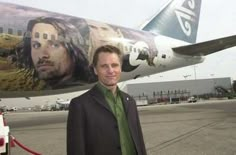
x: 108, y: 69
x: 49, y: 56
x: 103, y: 33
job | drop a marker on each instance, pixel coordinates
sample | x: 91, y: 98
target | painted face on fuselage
x: 108, y: 69
x: 103, y: 33
x: 50, y: 58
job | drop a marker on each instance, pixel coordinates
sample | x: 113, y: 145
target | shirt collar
x: 105, y: 90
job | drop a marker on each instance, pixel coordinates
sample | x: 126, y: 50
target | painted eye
x: 55, y: 45
x: 93, y: 27
x: 104, y: 28
x: 36, y: 45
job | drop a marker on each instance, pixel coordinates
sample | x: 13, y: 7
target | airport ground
x: 201, y: 128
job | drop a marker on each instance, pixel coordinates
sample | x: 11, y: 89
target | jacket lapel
x: 125, y: 101
x: 99, y: 97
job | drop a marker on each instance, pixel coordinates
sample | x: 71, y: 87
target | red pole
x: 24, y: 147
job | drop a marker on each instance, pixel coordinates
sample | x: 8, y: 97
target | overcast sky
x: 217, y: 19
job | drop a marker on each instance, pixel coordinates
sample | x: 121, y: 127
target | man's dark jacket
x: 92, y: 129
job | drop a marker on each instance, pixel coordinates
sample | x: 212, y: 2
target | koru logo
x: 186, y: 16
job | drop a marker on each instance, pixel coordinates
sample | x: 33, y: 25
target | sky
x: 217, y: 19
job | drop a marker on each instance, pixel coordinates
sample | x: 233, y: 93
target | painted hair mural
x: 48, y: 51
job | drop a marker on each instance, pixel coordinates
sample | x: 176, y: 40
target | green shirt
x: 116, y: 105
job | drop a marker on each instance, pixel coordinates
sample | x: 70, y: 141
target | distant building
x: 179, y: 89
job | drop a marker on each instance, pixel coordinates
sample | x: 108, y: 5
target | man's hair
x: 106, y: 49
x: 68, y: 36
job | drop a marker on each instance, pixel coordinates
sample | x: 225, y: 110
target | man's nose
x: 45, y: 50
x: 110, y: 69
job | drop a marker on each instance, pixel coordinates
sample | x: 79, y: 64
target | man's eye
x: 103, y: 66
x: 36, y: 45
x: 115, y: 65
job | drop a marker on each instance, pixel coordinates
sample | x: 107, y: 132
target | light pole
x: 195, y: 74
x: 213, y: 79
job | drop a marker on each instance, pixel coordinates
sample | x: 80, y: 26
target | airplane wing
x: 206, y: 48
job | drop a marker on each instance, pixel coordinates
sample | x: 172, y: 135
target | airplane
x: 165, y: 42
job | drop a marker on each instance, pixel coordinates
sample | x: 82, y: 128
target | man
x: 53, y: 49
x: 104, y: 120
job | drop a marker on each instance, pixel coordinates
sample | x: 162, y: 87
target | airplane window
x: 163, y: 56
x: 120, y: 46
x: 126, y: 48
x: 36, y: 35
x: 27, y: 34
x: 10, y: 31
x: 1, y: 30
x: 19, y: 33
x: 130, y: 48
x: 53, y: 37
x: 45, y: 36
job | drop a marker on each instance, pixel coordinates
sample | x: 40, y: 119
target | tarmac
x: 201, y: 128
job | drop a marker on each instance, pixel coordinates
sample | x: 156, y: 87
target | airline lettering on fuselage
x: 185, y: 16
x: 135, y: 58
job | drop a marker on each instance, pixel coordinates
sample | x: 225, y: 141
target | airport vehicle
x: 12, y: 109
x: 192, y: 99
